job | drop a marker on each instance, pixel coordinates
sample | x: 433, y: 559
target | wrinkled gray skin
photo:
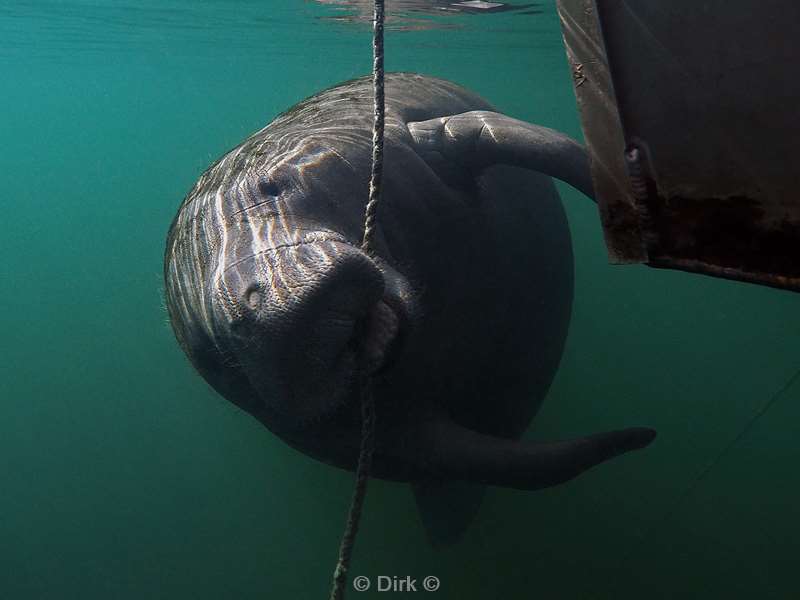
x: 460, y: 317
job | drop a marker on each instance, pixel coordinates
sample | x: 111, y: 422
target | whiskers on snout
x: 304, y: 321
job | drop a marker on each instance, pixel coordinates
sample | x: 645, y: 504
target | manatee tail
x: 482, y: 138
x: 447, y: 508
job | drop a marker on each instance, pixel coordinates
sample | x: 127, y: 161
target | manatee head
x: 270, y: 294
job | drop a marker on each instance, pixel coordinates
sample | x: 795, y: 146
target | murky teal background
x: 123, y: 476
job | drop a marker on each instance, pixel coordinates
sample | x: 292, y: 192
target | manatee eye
x: 268, y: 187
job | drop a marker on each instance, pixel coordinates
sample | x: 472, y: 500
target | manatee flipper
x: 480, y: 138
x: 448, y: 451
x: 447, y: 508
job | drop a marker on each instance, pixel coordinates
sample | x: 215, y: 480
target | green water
x: 124, y: 476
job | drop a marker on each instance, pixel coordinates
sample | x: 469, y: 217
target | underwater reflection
x: 398, y: 11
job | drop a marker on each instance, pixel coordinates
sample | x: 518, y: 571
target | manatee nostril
x: 252, y: 296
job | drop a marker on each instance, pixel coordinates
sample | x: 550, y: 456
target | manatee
x: 458, y: 317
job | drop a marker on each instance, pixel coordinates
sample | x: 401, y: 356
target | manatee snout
x: 308, y: 316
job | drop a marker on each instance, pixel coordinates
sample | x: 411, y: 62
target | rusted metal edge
x: 726, y: 237
x: 734, y: 274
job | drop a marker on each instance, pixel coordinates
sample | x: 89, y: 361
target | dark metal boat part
x: 690, y: 113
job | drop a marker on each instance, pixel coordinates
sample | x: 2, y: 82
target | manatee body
x: 460, y: 314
